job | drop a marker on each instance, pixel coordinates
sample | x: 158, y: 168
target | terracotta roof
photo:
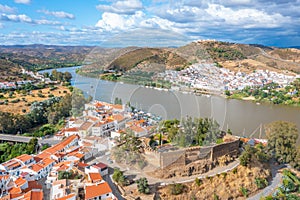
x: 47, y: 161
x: 15, y: 190
x: 34, y: 185
x: 73, y: 129
x: 100, y: 165
x: 82, y: 165
x: 13, y: 163
x: 6, y: 197
x: 117, y: 107
x: 20, y: 182
x: 66, y: 197
x: 118, y: 117
x: 4, y: 177
x: 97, y: 190
x: 24, y: 157
x: 137, y: 129
x: 95, y: 177
x: 36, y: 167
x: 33, y: 195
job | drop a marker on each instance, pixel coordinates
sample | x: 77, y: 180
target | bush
x: 244, y: 191
x: 142, y: 185
x: 176, y: 188
x: 198, y: 181
x: 234, y: 171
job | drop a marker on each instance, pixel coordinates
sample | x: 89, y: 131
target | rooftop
x: 97, y: 190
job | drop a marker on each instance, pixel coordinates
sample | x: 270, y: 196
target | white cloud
x: 25, y: 19
x: 113, y: 21
x: 127, y: 7
x: 46, y: 22
x: 246, y: 17
x: 6, y: 9
x: 23, y: 1
x: 59, y: 14
x: 16, y: 18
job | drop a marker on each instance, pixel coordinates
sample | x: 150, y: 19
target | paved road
x: 276, y: 182
x: 17, y: 138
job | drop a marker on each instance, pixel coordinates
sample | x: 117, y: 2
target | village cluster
x: 210, y: 77
x: 63, y: 169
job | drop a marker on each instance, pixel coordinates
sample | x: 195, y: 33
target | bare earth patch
x: 25, y: 100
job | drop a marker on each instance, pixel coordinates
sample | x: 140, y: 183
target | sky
x: 149, y: 22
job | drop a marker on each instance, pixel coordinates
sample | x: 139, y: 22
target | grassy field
x: 20, y: 103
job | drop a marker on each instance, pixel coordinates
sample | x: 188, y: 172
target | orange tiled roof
x: 66, y: 197
x: 73, y: 129
x: 34, y: 185
x: 46, y: 161
x: 33, y: 195
x: 118, y: 117
x: 20, y: 181
x: 4, y: 177
x: 11, y: 164
x: 36, y: 167
x: 93, y: 191
x: 24, y: 157
x: 15, y: 190
x: 137, y: 129
x: 95, y: 177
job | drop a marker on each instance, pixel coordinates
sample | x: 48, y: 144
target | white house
x: 98, y: 191
x: 97, y: 168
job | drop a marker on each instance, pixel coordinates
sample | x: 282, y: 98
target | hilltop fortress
x: 172, y: 161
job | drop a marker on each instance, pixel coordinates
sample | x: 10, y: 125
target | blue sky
x: 149, y: 22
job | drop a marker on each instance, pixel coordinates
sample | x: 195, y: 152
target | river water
x: 242, y: 117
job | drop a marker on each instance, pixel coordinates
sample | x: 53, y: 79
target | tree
x: 282, y: 137
x: 119, y: 177
x: 142, y: 185
x: 31, y: 147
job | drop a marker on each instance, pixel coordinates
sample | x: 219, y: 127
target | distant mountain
x: 295, y: 47
x: 36, y: 57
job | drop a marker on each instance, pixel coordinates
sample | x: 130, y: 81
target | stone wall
x: 184, y: 157
x: 172, y: 158
x: 228, y: 148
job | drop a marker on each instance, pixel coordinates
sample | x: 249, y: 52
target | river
x: 242, y: 117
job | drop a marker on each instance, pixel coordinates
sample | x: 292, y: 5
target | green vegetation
x: 119, y: 177
x: 261, y: 182
x: 244, y: 191
x: 198, y: 181
x: 223, y: 52
x: 289, y: 189
x: 118, y: 101
x: 47, y: 114
x: 271, y: 93
x: 176, y: 188
x: 192, y: 132
x: 143, y: 186
x: 128, y: 152
x: 282, y: 137
x: 9, y: 151
x: 259, y: 152
x: 68, y: 175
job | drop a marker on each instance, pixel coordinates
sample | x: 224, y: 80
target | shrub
x: 142, y: 185
x: 198, y: 181
x: 244, y: 191
x: 176, y: 188
x: 234, y: 171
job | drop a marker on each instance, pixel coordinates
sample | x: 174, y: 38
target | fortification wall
x: 228, y: 148
x: 172, y: 158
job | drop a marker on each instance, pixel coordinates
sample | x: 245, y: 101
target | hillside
x: 243, y: 57
x: 36, y: 57
x: 9, y: 71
